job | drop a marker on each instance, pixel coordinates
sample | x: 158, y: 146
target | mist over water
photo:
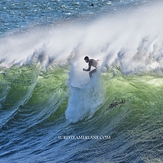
x: 132, y: 35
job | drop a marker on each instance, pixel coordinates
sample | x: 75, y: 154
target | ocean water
x: 51, y: 112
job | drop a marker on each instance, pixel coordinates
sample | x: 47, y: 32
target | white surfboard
x: 79, y: 86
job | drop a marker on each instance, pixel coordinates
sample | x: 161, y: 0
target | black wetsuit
x: 92, y: 63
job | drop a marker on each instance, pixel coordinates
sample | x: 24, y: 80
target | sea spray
x: 85, y: 100
x: 134, y: 36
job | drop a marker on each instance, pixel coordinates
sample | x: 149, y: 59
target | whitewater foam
x: 85, y: 100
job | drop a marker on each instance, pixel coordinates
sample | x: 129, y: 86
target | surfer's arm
x: 89, y: 68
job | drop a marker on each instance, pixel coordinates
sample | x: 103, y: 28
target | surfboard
x: 80, y: 86
x: 75, y: 87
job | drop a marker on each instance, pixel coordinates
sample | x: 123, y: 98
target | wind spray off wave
x: 123, y: 37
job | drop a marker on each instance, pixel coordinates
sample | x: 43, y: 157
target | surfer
x: 91, y: 62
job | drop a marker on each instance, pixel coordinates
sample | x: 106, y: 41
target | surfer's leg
x: 92, y: 72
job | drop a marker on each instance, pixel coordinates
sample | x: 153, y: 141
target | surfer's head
x: 86, y: 58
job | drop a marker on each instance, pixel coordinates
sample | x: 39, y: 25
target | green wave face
x: 29, y: 91
x: 127, y: 108
x: 133, y: 110
x: 30, y: 86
